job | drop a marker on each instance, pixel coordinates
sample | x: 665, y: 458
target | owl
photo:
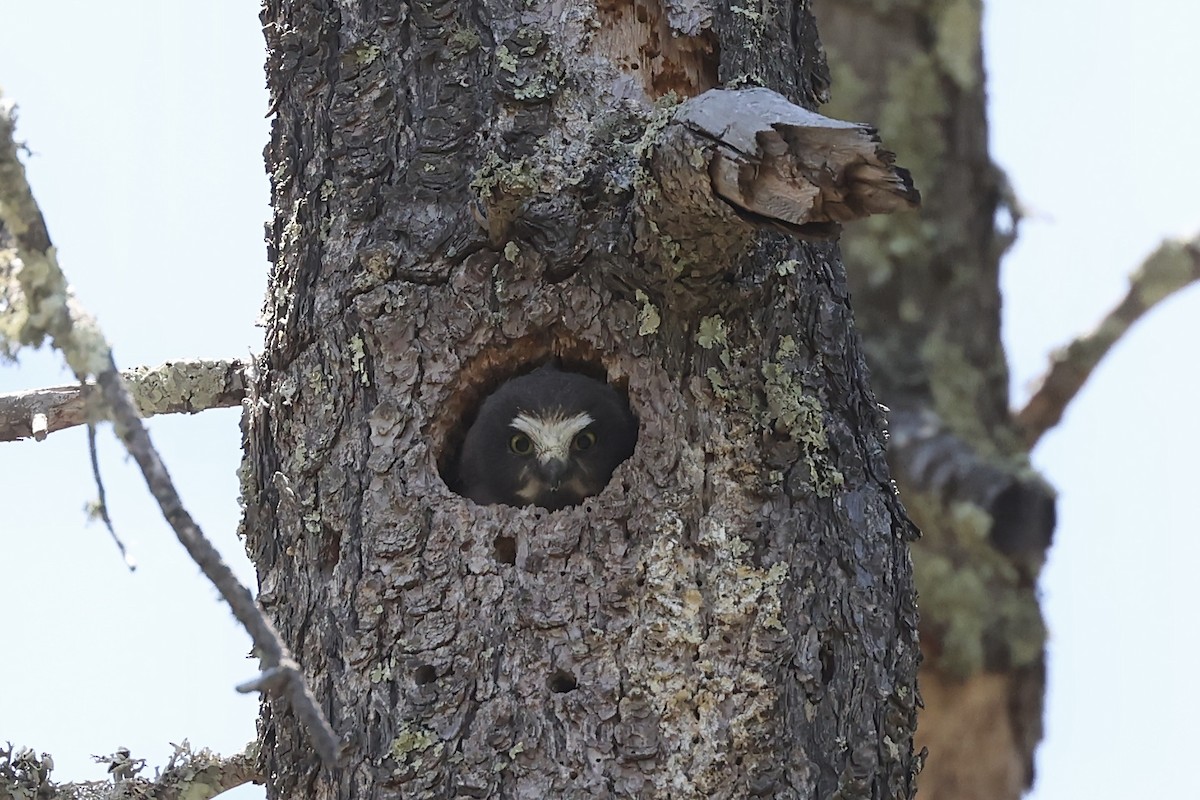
x: 549, y: 438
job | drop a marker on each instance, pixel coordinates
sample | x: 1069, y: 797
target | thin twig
x: 30, y: 276
x: 101, y: 508
x: 1173, y: 266
x: 271, y: 649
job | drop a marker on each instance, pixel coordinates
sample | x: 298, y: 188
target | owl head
x: 549, y: 439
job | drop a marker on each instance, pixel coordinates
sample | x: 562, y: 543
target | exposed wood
x: 778, y: 163
x: 973, y: 751
x: 662, y: 46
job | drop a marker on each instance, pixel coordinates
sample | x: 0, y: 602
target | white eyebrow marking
x: 553, y: 433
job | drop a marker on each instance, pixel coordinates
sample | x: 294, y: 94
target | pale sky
x: 146, y: 120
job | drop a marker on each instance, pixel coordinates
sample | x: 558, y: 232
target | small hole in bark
x: 505, y: 549
x: 827, y: 665
x: 424, y: 674
x: 562, y: 681
x: 737, y: 761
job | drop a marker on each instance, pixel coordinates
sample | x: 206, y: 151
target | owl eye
x: 584, y: 440
x: 520, y: 444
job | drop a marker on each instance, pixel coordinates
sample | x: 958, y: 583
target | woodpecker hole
x: 562, y: 681
x: 424, y: 674
x: 505, y: 549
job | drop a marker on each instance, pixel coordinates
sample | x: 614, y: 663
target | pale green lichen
x: 293, y: 228
x: 317, y: 380
x: 412, y: 739
x: 365, y: 54
x: 799, y: 415
x: 913, y: 117
x: 358, y: 357
x: 971, y: 595
x: 196, y: 385
x: 39, y: 303
x: 381, y: 672
x: 462, y: 41
x: 719, y: 385
x: 956, y: 385
x: 647, y: 316
x: 664, y: 111
x: 850, y: 90
x: 506, y: 59
x: 711, y: 332
x: 957, y: 45
x: 1171, y: 267
x: 532, y: 88
x: 720, y: 706
x: 504, y: 186
x: 512, y: 251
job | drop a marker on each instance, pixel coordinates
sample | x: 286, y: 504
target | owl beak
x: 555, y: 468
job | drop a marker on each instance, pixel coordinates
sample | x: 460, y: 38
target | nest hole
x: 516, y: 464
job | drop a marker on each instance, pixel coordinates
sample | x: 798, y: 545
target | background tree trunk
x: 927, y: 295
x: 459, y: 193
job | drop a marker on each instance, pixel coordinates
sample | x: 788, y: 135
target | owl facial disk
x: 552, y: 435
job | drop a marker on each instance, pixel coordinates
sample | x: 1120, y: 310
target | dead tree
x: 465, y: 190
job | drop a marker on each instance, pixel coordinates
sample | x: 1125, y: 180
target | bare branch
x: 38, y: 304
x: 1173, y: 266
x: 196, y: 775
x: 729, y: 162
x: 100, y: 510
x: 176, y: 387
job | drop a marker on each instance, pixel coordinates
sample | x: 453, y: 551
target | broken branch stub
x: 773, y: 163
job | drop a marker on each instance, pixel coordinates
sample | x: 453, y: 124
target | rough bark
x: 926, y: 292
x: 462, y: 190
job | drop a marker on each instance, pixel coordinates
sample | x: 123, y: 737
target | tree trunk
x: 463, y: 191
x: 927, y: 294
